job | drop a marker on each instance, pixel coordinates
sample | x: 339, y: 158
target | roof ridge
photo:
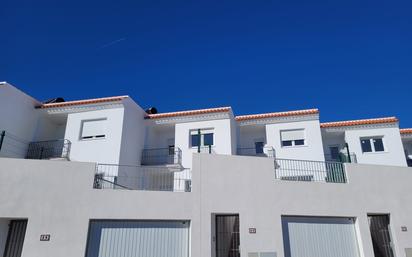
x: 277, y: 114
x: 84, y: 101
x: 188, y: 112
x: 369, y: 121
x: 405, y: 131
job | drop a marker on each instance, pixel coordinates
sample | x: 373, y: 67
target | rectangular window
x: 372, y: 144
x: 378, y: 144
x: 194, y: 140
x: 294, y: 137
x: 206, y: 137
x: 259, y: 147
x: 93, y: 129
x: 366, y: 145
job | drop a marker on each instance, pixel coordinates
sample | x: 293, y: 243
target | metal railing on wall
x: 304, y: 170
x: 342, y: 157
x: 161, y: 156
x: 59, y: 148
x: 114, y: 176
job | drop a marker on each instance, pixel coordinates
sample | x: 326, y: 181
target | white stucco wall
x: 313, y: 148
x: 222, y: 138
x: 133, y: 133
x: 393, y: 154
x: 58, y: 199
x: 261, y: 201
x: 101, y: 150
x: 18, y: 117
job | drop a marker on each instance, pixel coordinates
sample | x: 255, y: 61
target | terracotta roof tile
x: 358, y: 122
x: 83, y: 102
x: 277, y: 114
x: 187, y: 113
x: 406, y: 131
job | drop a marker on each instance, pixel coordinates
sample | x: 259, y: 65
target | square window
x: 366, y: 145
x: 292, y: 137
x: 93, y: 129
x: 378, y: 144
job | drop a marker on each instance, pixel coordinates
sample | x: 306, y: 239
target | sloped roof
x: 277, y: 114
x: 358, y: 122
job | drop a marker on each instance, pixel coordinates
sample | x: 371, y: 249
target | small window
x: 378, y: 144
x: 366, y: 145
x: 93, y: 129
x: 287, y: 142
x: 294, y: 137
x: 372, y: 144
x: 206, y: 137
x: 171, y: 149
x: 334, y: 152
x: 259, y: 147
x: 194, y: 140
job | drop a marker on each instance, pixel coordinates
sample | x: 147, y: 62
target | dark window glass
x: 334, y: 152
x: 208, y: 139
x: 259, y: 147
x: 171, y: 149
x: 287, y: 143
x: 300, y: 142
x: 378, y: 144
x: 194, y: 140
x: 366, y: 145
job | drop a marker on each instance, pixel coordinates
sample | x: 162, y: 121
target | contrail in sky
x: 112, y: 43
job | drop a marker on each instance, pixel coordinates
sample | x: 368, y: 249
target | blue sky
x: 350, y: 59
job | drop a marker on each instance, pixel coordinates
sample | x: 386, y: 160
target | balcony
x: 129, y: 177
x: 310, y: 171
x: 341, y: 157
x: 253, y: 151
x: 53, y: 149
x: 162, y: 156
x: 13, y: 146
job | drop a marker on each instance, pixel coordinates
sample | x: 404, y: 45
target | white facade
x: 129, y: 131
x: 140, y: 175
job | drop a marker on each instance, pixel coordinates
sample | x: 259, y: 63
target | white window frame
x: 305, y: 143
x: 202, y: 132
x: 371, y: 138
x: 95, y: 137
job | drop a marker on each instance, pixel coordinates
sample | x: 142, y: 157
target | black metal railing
x: 342, y: 157
x: 316, y: 171
x: 161, y: 156
x: 12, y: 146
x: 59, y: 148
x: 253, y: 151
x: 206, y: 149
x: 130, y: 177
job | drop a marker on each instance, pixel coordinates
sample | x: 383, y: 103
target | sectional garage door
x: 319, y: 237
x: 138, y: 238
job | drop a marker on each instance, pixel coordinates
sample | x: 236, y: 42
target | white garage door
x: 138, y: 238
x: 320, y: 237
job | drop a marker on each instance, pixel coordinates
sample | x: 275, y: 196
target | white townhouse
x: 105, y: 178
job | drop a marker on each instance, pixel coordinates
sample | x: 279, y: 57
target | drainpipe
x: 348, y: 152
x: 2, y: 135
x: 198, y: 140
